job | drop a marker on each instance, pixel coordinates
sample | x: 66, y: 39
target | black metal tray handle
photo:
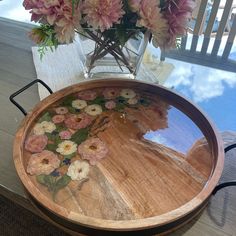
x: 229, y: 183
x: 217, y: 188
x: 23, y: 89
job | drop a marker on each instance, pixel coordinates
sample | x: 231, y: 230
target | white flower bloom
x: 127, y: 93
x: 66, y: 148
x: 132, y: 101
x: 38, y: 129
x: 93, y: 110
x: 78, y: 170
x: 79, y: 104
x: 44, y: 127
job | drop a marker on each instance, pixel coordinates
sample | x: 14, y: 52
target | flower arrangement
x: 110, y: 23
x: 65, y: 144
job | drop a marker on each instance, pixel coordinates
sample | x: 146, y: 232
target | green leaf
x: 51, y: 147
x: 80, y: 136
x: 61, y: 183
x: 68, y: 101
x: 45, y: 117
x: 98, y: 100
x: 70, y: 156
x: 72, y: 110
x: 47, y: 180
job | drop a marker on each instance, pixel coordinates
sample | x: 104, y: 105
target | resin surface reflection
x: 123, y: 146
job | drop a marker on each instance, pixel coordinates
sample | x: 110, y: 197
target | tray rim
x: 120, y: 225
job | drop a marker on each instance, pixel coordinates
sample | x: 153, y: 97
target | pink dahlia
x: 79, y: 121
x: 42, y: 163
x: 93, y: 150
x: 102, y: 14
x: 36, y: 143
x: 87, y: 95
x: 149, y: 13
x: 134, y: 5
x: 57, y: 119
x: 177, y: 14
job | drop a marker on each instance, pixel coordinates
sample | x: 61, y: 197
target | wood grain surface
x: 132, y: 188
x: 16, y: 70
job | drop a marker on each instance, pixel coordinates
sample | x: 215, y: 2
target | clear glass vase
x: 104, y: 58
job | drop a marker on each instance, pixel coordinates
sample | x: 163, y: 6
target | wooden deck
x: 16, y: 70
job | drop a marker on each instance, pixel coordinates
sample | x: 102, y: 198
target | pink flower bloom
x: 61, y: 110
x: 177, y: 14
x: 42, y: 163
x: 102, y: 14
x: 87, y: 95
x: 57, y: 119
x: 78, y: 121
x: 93, y: 150
x: 150, y: 14
x: 110, y: 93
x: 36, y: 143
x: 66, y: 134
x: 110, y: 105
x: 134, y: 5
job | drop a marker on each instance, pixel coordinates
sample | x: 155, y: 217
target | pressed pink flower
x: 42, y: 163
x: 102, y: 14
x: 87, y: 95
x: 111, y: 93
x: 36, y: 143
x: 61, y: 110
x: 78, y: 121
x: 93, y: 150
x: 110, y: 105
x: 177, y: 14
x: 57, y: 119
x: 134, y: 5
x: 65, y: 134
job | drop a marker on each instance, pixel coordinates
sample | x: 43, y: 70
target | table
x: 17, y: 69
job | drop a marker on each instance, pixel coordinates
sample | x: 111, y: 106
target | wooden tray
x: 118, y: 155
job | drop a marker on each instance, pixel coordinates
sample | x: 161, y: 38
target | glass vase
x: 105, y: 58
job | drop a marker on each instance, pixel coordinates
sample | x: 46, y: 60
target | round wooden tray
x: 118, y: 155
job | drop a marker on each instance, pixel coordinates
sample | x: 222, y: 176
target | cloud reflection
x: 198, y: 82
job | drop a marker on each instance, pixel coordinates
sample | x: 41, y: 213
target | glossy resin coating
x: 118, y: 155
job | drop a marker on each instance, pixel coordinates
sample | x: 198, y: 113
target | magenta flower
x: 42, y: 163
x: 65, y: 134
x: 102, y: 14
x: 78, y: 121
x: 87, y: 95
x: 93, y: 150
x: 57, y: 119
x: 36, y: 143
x: 110, y: 105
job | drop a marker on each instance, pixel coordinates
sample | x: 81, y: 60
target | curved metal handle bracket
x: 225, y: 184
x: 23, y: 89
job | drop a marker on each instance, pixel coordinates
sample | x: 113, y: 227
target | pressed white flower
x: 78, y: 170
x: 93, y: 110
x: 66, y: 148
x: 79, y: 104
x: 127, y: 93
x: 44, y: 127
x: 38, y: 129
x: 132, y: 101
